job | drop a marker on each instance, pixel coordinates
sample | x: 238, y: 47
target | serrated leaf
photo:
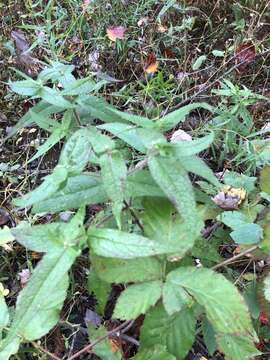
x: 127, y: 133
x: 192, y: 147
x: 27, y: 87
x: 265, y: 179
x: 124, y: 271
x: 198, y: 62
x: 101, y: 143
x: 174, y: 298
x: 157, y: 352
x: 104, y: 348
x: 101, y: 290
x: 176, y: 332
x: 78, y: 191
x: 141, y: 183
x: 228, y: 317
x: 137, y: 299
x: 237, y: 347
x: 247, y: 234
x: 58, y: 72
x: 76, y: 152
x: 119, y: 244
x: 36, y: 312
x: 197, y: 166
x: 169, y: 121
x: 114, y: 174
x: 49, y: 186
x: 54, y: 97
x: 82, y: 86
x: 55, y: 137
x: 173, y: 179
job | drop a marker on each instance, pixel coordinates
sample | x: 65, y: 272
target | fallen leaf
x: 151, y: 64
x: 230, y: 198
x: 116, y: 32
x: 24, y: 276
x: 180, y: 135
x: 244, y: 55
x: 161, y: 28
x: 4, y: 217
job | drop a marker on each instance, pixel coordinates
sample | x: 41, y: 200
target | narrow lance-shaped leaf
x: 114, y: 173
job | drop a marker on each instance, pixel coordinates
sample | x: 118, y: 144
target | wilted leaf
x: 244, y: 55
x: 116, y: 32
x: 150, y: 64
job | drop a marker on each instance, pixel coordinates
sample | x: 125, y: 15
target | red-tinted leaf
x: 150, y: 64
x: 263, y: 318
x: 116, y: 32
x: 244, y: 55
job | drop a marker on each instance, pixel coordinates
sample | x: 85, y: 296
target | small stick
x: 98, y: 340
x: 233, y: 258
x: 45, y: 351
x: 137, y: 221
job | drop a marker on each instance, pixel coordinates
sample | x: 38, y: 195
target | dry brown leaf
x: 244, y: 55
x: 151, y: 64
x: 116, y: 32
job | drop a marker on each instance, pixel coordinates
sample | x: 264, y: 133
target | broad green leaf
x: 157, y: 352
x: 4, y: 315
x: 6, y: 235
x: 233, y: 219
x: 161, y: 224
x: 101, y: 290
x: 114, y: 173
x: 209, y: 336
x: 174, y: 298
x: 137, y: 299
x: 58, y: 72
x: 36, y: 312
x: 173, y: 179
x: 123, y: 271
x: 127, y: 133
x: 236, y: 180
x: 104, y: 348
x: 140, y: 183
x: 49, y: 186
x: 82, y: 86
x: 101, y: 143
x: 169, y: 121
x: 55, y: 137
x: 76, y: 152
x: 188, y: 148
x: 198, y: 62
x: 247, y: 234
x: 176, y: 332
x: 119, y: 244
x: 228, y: 317
x: 11, y: 348
x: 237, y: 347
x: 265, y: 179
x: 78, y: 191
x: 54, y: 97
x: 197, y: 166
x: 27, y: 87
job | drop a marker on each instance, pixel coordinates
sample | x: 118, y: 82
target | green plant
x: 148, y: 237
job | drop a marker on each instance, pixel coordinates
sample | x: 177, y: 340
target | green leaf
x: 174, y: 298
x: 78, y: 191
x: 233, y: 219
x: 176, y: 332
x: 137, y: 299
x: 140, y: 183
x: 169, y: 121
x: 198, y: 62
x: 54, y: 97
x: 101, y: 143
x: 76, y: 152
x: 161, y: 224
x: 157, y: 352
x: 104, y: 348
x: 58, y: 72
x: 82, y: 86
x: 127, y: 133
x: 228, y: 317
x: 187, y: 148
x: 49, y: 186
x: 197, y: 166
x: 6, y: 235
x: 55, y: 137
x: 265, y: 179
x: 218, y: 53
x: 267, y: 288
x: 173, y: 179
x: 114, y: 173
x: 27, y: 87
x: 209, y: 336
x: 124, y: 271
x: 236, y: 180
x: 36, y: 312
x: 119, y: 244
x: 237, y: 347
x: 101, y: 290
x: 4, y: 315
x: 247, y: 234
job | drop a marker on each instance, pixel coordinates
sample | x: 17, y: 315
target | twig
x: 98, y: 340
x: 137, y: 221
x: 233, y: 258
x: 39, y: 347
